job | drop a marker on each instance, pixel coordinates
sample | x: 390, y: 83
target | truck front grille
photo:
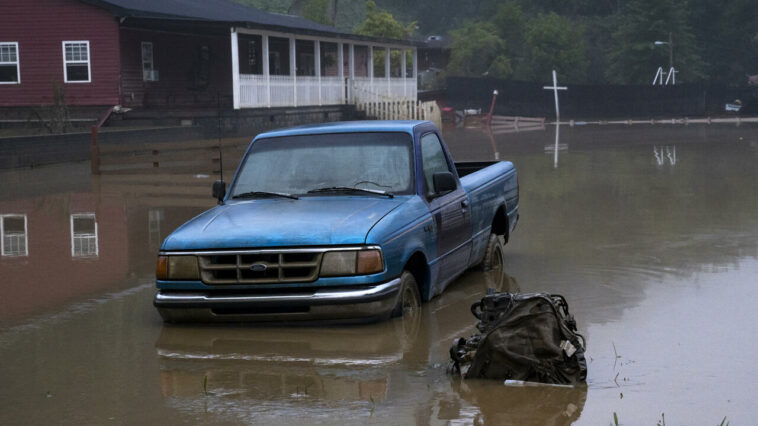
x: 264, y: 267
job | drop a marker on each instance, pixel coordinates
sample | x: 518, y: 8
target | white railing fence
x: 260, y: 91
x: 402, y: 110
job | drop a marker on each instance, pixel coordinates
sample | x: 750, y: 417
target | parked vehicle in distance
x: 338, y: 221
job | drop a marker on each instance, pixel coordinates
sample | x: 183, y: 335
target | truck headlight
x: 352, y: 262
x: 177, y: 268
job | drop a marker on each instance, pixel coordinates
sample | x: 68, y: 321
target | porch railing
x: 259, y: 91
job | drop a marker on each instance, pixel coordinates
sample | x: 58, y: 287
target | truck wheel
x: 408, y: 301
x: 494, y: 259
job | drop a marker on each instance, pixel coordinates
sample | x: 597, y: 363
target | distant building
x: 433, y: 57
x: 175, y: 53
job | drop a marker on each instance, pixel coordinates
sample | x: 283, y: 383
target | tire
x: 409, y: 300
x: 493, y: 254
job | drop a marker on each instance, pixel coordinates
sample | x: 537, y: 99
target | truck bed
x: 468, y: 167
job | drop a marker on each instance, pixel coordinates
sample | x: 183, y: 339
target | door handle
x: 464, y: 204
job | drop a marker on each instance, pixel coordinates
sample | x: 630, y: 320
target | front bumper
x: 367, y: 303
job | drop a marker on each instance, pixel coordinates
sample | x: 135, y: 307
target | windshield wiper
x: 351, y: 189
x: 254, y: 194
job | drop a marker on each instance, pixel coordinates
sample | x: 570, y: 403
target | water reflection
x: 653, y: 259
x: 557, y: 146
x: 664, y: 154
x: 505, y: 405
x: 96, y: 236
x: 13, y: 232
x: 286, y: 368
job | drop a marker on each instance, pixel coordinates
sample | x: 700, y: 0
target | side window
x: 76, y: 62
x: 9, y: 63
x: 149, y: 72
x: 433, y: 158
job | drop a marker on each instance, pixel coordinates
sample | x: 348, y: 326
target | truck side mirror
x: 219, y: 190
x: 444, y: 182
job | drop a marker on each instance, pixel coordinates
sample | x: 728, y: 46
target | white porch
x: 271, y: 69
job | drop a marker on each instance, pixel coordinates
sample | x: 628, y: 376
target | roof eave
x: 120, y: 12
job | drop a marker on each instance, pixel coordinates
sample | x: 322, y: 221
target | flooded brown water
x: 650, y: 232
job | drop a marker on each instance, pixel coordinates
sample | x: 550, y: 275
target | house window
x: 9, y: 64
x: 13, y: 235
x: 76, y: 63
x: 148, y: 66
x: 84, y: 235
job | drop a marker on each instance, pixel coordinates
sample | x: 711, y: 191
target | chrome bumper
x: 366, y: 303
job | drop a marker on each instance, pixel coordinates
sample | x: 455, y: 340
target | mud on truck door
x: 451, y: 211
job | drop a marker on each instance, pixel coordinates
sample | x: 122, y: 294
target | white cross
x: 555, y: 88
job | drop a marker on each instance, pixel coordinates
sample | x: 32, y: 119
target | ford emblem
x: 258, y: 267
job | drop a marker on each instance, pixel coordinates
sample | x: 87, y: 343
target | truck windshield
x: 378, y: 161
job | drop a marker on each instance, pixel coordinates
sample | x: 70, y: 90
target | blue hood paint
x: 326, y: 220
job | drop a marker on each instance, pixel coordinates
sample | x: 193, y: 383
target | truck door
x: 451, y: 212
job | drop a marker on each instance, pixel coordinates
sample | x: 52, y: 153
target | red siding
x: 176, y: 58
x: 39, y: 27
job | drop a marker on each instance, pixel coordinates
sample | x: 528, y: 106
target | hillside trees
x: 634, y: 57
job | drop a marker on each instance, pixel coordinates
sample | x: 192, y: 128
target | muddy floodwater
x: 650, y: 232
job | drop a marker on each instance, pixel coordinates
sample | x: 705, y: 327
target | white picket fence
x: 402, y: 110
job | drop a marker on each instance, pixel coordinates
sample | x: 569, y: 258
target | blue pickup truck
x: 338, y: 221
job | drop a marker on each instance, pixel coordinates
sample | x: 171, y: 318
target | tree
x: 635, y: 58
x: 555, y: 43
x: 319, y: 11
x: 477, y: 50
x: 380, y: 23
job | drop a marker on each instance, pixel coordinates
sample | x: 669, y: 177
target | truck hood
x: 309, y: 221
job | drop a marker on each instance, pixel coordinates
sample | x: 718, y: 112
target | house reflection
x: 61, y: 245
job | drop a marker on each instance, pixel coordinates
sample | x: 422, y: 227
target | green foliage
x: 591, y: 42
x: 477, y: 50
x: 318, y: 11
x: 635, y: 58
x: 380, y: 23
x: 555, y: 43
x: 277, y: 6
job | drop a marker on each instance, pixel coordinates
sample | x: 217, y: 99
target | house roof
x: 225, y: 12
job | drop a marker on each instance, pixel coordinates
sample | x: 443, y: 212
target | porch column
x: 292, y: 70
x: 387, y: 71
x: 351, y: 70
x: 403, y: 66
x: 371, y: 70
x: 265, y: 64
x: 351, y: 60
x: 415, y: 73
x: 341, y: 69
x: 317, y: 65
x: 235, y: 69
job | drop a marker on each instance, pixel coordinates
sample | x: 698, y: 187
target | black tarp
x: 583, y: 102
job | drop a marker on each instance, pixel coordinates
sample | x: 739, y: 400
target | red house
x: 157, y: 53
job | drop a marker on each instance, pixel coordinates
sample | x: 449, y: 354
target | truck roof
x: 405, y: 126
